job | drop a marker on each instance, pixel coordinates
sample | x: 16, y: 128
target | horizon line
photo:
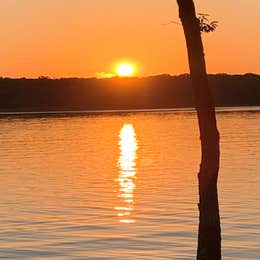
x: 123, y: 78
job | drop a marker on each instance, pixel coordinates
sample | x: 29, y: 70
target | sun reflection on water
x: 127, y: 173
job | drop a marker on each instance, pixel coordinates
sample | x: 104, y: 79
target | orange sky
x: 81, y: 38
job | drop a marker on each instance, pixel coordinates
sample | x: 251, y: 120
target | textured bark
x: 209, y: 238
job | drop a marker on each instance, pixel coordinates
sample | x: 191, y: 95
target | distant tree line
x: 155, y: 92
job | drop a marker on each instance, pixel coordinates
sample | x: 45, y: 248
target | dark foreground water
x: 123, y: 186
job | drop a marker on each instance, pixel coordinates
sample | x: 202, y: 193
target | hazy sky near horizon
x: 81, y: 38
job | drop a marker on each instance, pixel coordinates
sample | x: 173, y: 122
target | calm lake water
x: 123, y: 186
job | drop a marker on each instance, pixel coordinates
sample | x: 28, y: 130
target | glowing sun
x: 125, y: 70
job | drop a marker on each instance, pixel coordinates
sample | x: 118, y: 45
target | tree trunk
x: 209, y: 238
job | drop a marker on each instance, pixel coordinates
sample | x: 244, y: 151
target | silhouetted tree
x: 209, y: 239
x: 205, y: 25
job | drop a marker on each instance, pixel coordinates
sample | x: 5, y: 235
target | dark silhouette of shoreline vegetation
x: 154, y: 92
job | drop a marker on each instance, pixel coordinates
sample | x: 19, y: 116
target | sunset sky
x: 84, y: 38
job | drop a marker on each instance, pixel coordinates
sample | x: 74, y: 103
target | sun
x: 125, y: 70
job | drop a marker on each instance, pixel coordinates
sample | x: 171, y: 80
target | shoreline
x: 121, y: 111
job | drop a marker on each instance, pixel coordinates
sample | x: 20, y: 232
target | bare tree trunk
x: 209, y: 238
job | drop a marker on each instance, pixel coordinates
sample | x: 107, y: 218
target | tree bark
x: 209, y: 238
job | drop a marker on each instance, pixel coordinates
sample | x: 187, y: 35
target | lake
x: 123, y: 186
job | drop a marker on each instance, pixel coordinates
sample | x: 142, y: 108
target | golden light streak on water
x: 128, y: 146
